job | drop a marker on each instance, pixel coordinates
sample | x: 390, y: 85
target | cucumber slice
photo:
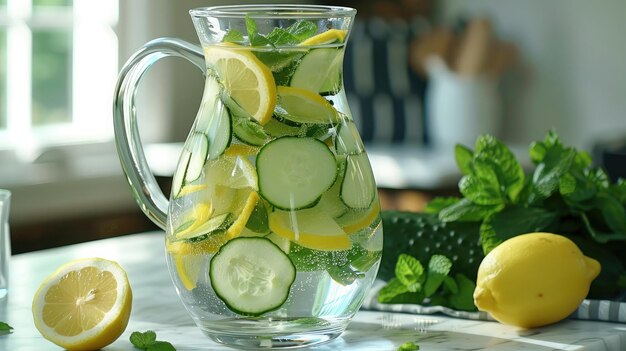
x: 319, y: 71
x: 294, y: 172
x: 358, y: 188
x: 219, y: 131
x: 347, y: 141
x: 179, y: 175
x: 251, y: 275
x: 216, y: 224
x: 199, y: 146
x: 277, y: 129
x: 249, y: 132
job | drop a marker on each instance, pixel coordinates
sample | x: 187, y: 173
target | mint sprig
x: 5, y: 327
x: 408, y: 346
x: 147, y: 341
x: 563, y: 193
x: 414, y: 284
x: 294, y: 34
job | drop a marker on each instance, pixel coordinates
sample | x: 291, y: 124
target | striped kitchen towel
x: 599, y: 310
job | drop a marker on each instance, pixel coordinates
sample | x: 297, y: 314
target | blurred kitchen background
x: 420, y: 75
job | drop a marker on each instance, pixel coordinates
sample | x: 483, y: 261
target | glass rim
x: 274, y: 11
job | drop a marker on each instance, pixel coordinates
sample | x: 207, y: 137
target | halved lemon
x: 309, y: 228
x: 304, y: 106
x: 328, y: 37
x: 84, y: 305
x: 246, y: 79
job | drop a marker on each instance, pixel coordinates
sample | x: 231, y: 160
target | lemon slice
x: 84, y: 305
x: 199, y: 214
x: 235, y: 172
x: 246, y: 79
x: 240, y: 223
x: 309, y: 228
x: 328, y: 37
x: 354, y: 221
x: 241, y: 150
x: 190, y: 189
x: 304, y: 106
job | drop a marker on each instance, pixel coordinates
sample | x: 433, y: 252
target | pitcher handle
x: 145, y: 189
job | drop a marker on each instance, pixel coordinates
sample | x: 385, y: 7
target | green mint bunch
x: 563, y: 193
x: 292, y: 35
x: 414, y: 284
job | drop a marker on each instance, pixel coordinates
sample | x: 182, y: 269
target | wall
x: 573, y: 76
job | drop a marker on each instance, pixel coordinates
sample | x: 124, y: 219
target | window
x: 58, y: 66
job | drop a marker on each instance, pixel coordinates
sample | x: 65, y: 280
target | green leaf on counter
x: 147, y: 341
x: 408, y: 346
x: 438, y: 268
x: 5, y: 327
x: 142, y: 340
x: 161, y: 346
x: 450, y: 285
x: 547, y: 175
x: 619, y: 191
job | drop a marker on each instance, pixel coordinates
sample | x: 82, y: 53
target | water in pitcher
x: 274, y: 215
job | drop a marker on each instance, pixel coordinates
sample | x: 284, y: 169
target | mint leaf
x: 464, y: 299
x: 5, y: 327
x: 490, y: 152
x: 161, y: 346
x: 598, y: 235
x: 463, y: 156
x: 254, y: 37
x: 619, y: 191
x: 488, y: 238
x: 438, y: 268
x: 517, y: 220
x: 482, y: 187
x: 567, y: 184
x: 408, y: 346
x: 467, y: 211
x: 409, y: 272
x: 450, y: 285
x: 143, y: 340
x: 548, y: 173
x: 147, y: 341
x: 612, y: 211
x: 439, y: 203
x: 233, y: 36
x: 393, y: 288
x: 302, y: 30
x: 280, y: 36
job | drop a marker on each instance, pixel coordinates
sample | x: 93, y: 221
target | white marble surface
x: 156, y: 307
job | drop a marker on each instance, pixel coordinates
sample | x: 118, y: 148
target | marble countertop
x: 156, y: 307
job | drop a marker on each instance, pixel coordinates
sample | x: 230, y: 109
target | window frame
x: 92, y: 26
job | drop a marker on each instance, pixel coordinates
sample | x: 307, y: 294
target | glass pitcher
x: 273, y: 233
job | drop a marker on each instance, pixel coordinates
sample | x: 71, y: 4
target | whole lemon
x: 534, y: 279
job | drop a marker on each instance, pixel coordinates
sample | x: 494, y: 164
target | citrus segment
x: 246, y: 79
x: 84, y: 305
x: 241, y: 150
x: 328, y: 37
x: 354, y: 221
x: 309, y: 228
x: 304, y: 106
x: 240, y: 223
